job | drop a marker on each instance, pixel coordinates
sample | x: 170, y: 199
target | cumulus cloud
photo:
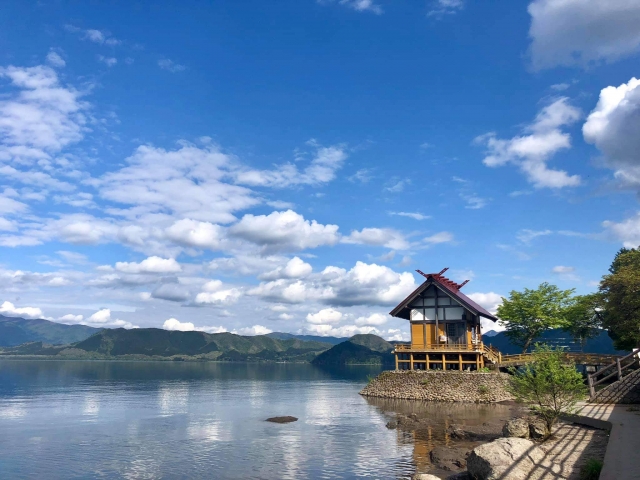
x: 55, y: 60
x: 627, y: 231
x: 216, y: 293
x: 254, y: 330
x: 325, y: 316
x: 414, y: 215
x: 71, y: 318
x: 531, y: 151
x: 382, y: 237
x: 150, y: 265
x: 322, y: 169
x: 192, y: 233
x: 174, y: 324
x: 561, y: 269
x: 364, y: 284
x: 614, y: 127
x: 580, y: 32
x: 373, y: 319
x: 490, y: 301
x: 174, y: 292
x: 286, y: 230
x: 294, y: 268
x: 8, y: 309
x: 101, y: 37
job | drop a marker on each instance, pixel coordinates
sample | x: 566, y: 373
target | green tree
x: 621, y: 294
x: 525, y: 315
x: 550, y: 384
x: 584, y: 317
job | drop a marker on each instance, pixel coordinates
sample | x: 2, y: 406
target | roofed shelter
x: 445, y: 328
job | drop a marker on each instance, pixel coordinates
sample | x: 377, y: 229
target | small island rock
x: 286, y: 419
x: 424, y: 476
x: 512, y: 458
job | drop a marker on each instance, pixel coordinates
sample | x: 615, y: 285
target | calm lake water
x: 80, y: 419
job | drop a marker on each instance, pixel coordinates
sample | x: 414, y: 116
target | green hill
x: 15, y: 331
x: 158, y: 343
x: 307, y: 338
x: 358, y: 350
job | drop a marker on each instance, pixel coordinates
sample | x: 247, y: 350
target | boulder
x: 449, y: 458
x: 460, y: 476
x: 538, y: 428
x: 511, y: 458
x: 516, y: 427
x: 286, y: 419
x: 392, y: 425
x: 480, y: 433
x: 424, y: 476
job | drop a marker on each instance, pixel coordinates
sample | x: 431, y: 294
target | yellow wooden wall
x: 417, y: 333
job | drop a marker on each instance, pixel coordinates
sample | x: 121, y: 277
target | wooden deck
x: 481, y: 351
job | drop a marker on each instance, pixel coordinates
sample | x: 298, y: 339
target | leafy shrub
x: 483, y: 389
x: 591, y: 469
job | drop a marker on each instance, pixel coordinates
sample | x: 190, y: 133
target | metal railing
x: 618, y: 368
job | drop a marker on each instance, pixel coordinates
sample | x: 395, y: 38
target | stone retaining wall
x: 438, y: 386
x: 626, y: 390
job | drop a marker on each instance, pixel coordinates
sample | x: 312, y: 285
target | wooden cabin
x: 445, y: 328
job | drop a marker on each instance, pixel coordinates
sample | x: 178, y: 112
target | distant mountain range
x: 358, y: 350
x: 147, y: 343
x: 20, y: 336
x: 15, y: 331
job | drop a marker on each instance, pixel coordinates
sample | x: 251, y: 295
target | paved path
x: 622, y: 460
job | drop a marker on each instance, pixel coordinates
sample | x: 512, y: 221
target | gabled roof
x: 448, y: 286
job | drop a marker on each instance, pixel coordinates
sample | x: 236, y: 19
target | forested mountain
x: 358, y: 350
x: 15, y: 331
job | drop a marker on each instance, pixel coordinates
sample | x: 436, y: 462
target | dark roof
x: 448, y: 286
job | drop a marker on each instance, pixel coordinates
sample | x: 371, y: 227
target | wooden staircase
x: 625, y: 388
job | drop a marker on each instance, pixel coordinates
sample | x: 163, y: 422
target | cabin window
x: 430, y: 313
x: 444, y: 301
x: 417, y: 314
x: 417, y: 302
x: 455, y: 313
x: 430, y: 301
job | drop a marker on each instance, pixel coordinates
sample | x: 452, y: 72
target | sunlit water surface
x: 67, y: 419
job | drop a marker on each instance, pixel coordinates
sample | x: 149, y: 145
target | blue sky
x: 251, y: 166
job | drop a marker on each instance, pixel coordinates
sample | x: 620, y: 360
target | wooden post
x: 411, y: 360
x: 396, y: 362
x: 592, y: 390
x: 444, y: 363
x: 460, y: 361
x: 619, y: 368
x: 427, y: 366
x: 477, y: 362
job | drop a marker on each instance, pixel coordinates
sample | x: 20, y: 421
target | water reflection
x: 187, y: 420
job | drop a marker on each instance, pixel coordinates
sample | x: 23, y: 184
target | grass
x: 483, y: 389
x: 591, y: 469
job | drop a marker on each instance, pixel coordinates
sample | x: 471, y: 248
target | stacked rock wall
x: 438, y: 386
x: 626, y: 390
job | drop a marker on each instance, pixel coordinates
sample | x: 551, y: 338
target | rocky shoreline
x: 439, y: 386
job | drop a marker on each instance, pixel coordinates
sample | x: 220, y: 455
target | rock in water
x: 282, y: 419
x: 516, y: 427
x: 449, y: 458
x: 392, y: 425
x: 512, y: 458
x: 424, y: 476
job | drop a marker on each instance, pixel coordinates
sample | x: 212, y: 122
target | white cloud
x: 174, y: 324
x: 322, y: 169
x: 364, y: 284
x: 627, y: 231
x: 561, y: 269
x: 526, y: 236
x: 295, y: 268
x: 101, y: 37
x: 614, y: 127
x: 398, y: 186
x: 8, y: 309
x: 55, y: 60
x: 171, y: 66
x: 108, y: 61
x: 254, y: 330
x: 490, y: 301
x: 373, y: 319
x: 215, y: 293
x: 531, y: 151
x: 357, y: 5
x: 197, y: 234
x: 150, y: 265
x: 414, y: 215
x: 173, y: 292
x: 325, y: 316
x: 580, y: 32
x: 284, y: 231
x: 440, y: 8
x: 102, y: 318
x: 71, y: 318
x: 363, y: 176
x: 440, y: 237
x: 382, y: 237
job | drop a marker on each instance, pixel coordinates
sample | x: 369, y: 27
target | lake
x: 93, y: 419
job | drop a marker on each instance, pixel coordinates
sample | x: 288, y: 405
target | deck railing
x: 617, y: 370
x: 439, y: 347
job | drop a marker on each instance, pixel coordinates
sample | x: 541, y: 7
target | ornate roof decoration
x: 448, y: 286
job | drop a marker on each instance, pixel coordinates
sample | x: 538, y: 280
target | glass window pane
x: 417, y: 314
x: 444, y: 301
x: 417, y: 302
x: 430, y: 313
x: 441, y: 314
x: 430, y: 301
x: 455, y: 313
